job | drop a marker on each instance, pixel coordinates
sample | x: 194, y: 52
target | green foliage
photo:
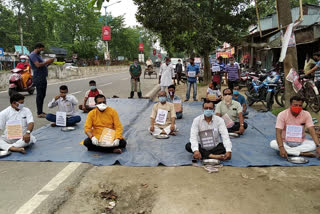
x: 276, y: 111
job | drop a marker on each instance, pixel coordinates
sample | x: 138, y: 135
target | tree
x: 8, y: 31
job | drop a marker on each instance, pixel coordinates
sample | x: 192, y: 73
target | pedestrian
x: 166, y: 74
x: 316, y: 69
x: 193, y: 72
x: 135, y: 72
x: 232, y: 73
x: 40, y: 73
x: 179, y: 71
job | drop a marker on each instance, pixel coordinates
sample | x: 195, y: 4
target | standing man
x: 20, y: 117
x: 135, y: 72
x: 232, y: 74
x: 193, y: 72
x: 179, y: 71
x: 290, y: 131
x: 66, y: 103
x: 166, y: 74
x: 316, y: 69
x: 40, y: 73
x: 209, y: 136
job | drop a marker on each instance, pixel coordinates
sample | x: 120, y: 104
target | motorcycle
x: 263, y: 90
x: 16, y: 84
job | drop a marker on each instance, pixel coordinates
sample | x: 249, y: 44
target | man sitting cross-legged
x: 163, y: 117
x: 101, y: 120
x: 205, y: 141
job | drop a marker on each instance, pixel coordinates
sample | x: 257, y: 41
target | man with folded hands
x: 104, y: 129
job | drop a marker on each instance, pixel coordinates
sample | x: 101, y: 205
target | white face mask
x: 228, y: 99
x: 20, y: 106
x: 41, y: 52
x: 102, y: 106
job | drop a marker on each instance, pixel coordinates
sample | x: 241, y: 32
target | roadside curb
x: 151, y: 94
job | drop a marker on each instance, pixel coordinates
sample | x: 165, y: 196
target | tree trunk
x: 207, y: 77
x: 285, y: 18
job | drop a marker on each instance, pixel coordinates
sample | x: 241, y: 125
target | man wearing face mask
x: 241, y: 99
x: 98, y: 119
x: 135, y: 72
x: 172, y: 98
x: 205, y: 140
x: 166, y: 74
x: 40, y: 73
x: 231, y: 112
x: 21, y: 117
x: 89, y: 97
x: 232, y: 73
x: 163, y: 117
x: 66, y: 103
x: 193, y: 72
x: 290, y: 131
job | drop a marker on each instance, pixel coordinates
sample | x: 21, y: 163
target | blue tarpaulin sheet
x: 251, y: 149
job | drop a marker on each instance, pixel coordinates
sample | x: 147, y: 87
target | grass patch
x: 276, y: 111
x: 202, y: 84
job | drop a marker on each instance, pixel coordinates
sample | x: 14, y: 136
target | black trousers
x: 231, y: 84
x: 178, y: 77
x: 218, y: 150
x: 41, y: 94
x: 236, y: 127
x: 91, y: 147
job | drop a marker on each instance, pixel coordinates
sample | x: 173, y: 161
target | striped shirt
x: 232, y: 71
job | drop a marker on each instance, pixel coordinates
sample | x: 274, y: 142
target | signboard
x: 19, y: 50
x: 106, y: 55
x: 154, y: 52
x: 141, y: 58
x: 120, y: 58
x: 1, y: 51
x: 140, y: 46
x: 106, y: 33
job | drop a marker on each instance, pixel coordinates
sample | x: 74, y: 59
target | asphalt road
x: 23, y: 185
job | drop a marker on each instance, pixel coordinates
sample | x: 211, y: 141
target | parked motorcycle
x: 16, y: 84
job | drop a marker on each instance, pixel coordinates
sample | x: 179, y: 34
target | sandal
x: 42, y: 115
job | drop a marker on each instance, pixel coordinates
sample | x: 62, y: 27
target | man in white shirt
x: 66, y: 103
x: 16, y: 117
x: 205, y: 140
x: 166, y: 74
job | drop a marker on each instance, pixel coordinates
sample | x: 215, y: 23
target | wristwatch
x: 28, y: 131
x: 318, y: 145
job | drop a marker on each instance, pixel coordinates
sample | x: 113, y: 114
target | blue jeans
x: 189, y: 89
x: 71, y: 121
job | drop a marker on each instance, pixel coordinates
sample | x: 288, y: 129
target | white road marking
x: 77, y: 92
x: 38, y: 198
x: 3, y: 92
x: 109, y: 83
x: 125, y: 78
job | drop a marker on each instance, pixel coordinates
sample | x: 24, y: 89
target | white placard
x: 294, y: 133
x: 91, y: 102
x: 161, y: 116
x: 61, y: 118
x: 176, y: 101
x: 14, y: 129
x: 227, y: 120
x: 191, y: 74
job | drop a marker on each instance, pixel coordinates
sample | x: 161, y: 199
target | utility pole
x: 291, y: 61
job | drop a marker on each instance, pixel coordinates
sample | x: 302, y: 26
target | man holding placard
x: 193, y: 72
x: 17, y: 123
x: 290, y: 131
x: 163, y: 117
x: 88, y: 102
x: 66, y: 115
x: 231, y: 113
x: 177, y: 102
x: 205, y: 140
x: 104, y: 129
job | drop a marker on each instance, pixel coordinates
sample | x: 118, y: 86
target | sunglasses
x: 101, y: 102
x: 227, y: 94
x: 208, y: 108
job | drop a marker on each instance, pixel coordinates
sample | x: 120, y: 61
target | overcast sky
x: 126, y: 7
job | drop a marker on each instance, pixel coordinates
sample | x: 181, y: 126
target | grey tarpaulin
x: 252, y: 149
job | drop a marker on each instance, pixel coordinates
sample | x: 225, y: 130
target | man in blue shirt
x: 193, y: 72
x: 316, y: 69
x: 40, y: 73
x: 240, y: 98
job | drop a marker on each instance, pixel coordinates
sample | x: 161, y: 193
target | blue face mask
x: 169, y: 63
x: 23, y: 60
x: 162, y: 99
x: 235, y: 92
x: 92, y: 88
x: 208, y: 112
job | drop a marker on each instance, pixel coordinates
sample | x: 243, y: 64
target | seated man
x: 231, y: 112
x: 89, y: 97
x: 99, y: 119
x: 213, y: 93
x: 163, y: 117
x: 177, y: 102
x: 290, y: 131
x: 66, y: 103
x: 205, y: 141
x: 20, y: 117
x: 240, y: 98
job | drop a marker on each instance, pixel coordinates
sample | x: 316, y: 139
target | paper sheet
x: 14, y: 129
x: 161, y: 117
x: 61, y: 118
x: 294, y: 133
